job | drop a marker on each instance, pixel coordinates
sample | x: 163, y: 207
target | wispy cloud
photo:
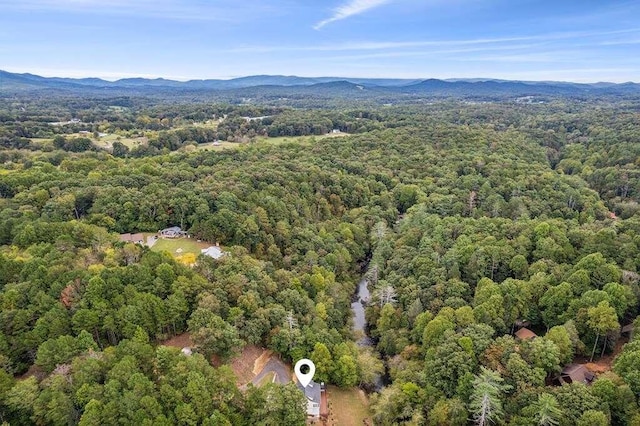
x: 351, y: 8
x: 431, y: 52
x: 394, y: 45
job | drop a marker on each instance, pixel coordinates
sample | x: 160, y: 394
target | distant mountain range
x: 277, y: 85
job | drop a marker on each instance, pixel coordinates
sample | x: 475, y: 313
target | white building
x: 213, y: 251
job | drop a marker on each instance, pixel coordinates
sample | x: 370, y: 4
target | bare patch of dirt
x: 244, y: 364
x: 604, y: 364
x: 261, y: 361
x: 180, y: 341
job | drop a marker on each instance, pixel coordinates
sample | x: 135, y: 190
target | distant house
x: 525, y: 334
x: 313, y: 393
x: 186, y: 351
x: 214, y: 252
x: 132, y: 238
x: 575, y: 373
x: 172, y: 232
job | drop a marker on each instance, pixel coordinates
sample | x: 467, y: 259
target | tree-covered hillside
x: 470, y: 221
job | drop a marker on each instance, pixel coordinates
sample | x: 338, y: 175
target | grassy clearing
x: 209, y: 124
x: 43, y: 141
x: 299, y: 139
x: 102, y: 142
x: 348, y: 406
x: 108, y: 140
x: 280, y: 140
x: 183, y: 245
x: 219, y: 146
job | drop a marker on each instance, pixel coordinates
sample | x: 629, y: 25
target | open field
x: 108, y: 140
x: 348, y: 407
x: 102, y: 142
x: 222, y: 145
x: 213, y: 146
x: 43, y: 141
x: 209, y: 124
x: 298, y: 139
x: 179, y: 246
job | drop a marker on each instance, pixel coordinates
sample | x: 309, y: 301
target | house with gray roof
x: 172, y: 232
x: 313, y: 393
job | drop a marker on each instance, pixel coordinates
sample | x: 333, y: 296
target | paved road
x: 283, y: 375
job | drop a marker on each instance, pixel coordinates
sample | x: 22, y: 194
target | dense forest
x: 471, y: 222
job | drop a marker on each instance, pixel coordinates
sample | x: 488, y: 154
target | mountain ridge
x: 21, y: 82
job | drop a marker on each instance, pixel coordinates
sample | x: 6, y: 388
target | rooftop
x: 525, y: 334
x: 576, y: 373
x: 312, y: 391
x: 213, y: 251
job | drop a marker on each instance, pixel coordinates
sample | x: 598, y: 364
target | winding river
x: 359, y: 321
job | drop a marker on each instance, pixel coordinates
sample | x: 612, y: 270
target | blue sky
x: 586, y: 40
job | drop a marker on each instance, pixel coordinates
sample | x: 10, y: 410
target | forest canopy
x: 471, y: 222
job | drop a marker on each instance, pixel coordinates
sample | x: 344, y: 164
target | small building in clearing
x: 525, y: 334
x: 132, y: 238
x: 214, y: 252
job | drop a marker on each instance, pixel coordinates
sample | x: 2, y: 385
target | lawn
x: 188, y: 245
x: 348, y: 406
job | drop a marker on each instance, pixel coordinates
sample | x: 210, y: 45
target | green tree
x: 119, y: 149
x: 560, y: 336
x: 547, y: 410
x: 627, y: 365
x: 486, y: 397
x: 554, y: 304
x: 602, y: 319
x: 346, y: 372
x: 448, y: 412
x: 212, y: 335
x: 323, y: 361
x: 593, y: 418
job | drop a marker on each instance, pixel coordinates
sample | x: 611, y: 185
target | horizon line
x: 129, y: 76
